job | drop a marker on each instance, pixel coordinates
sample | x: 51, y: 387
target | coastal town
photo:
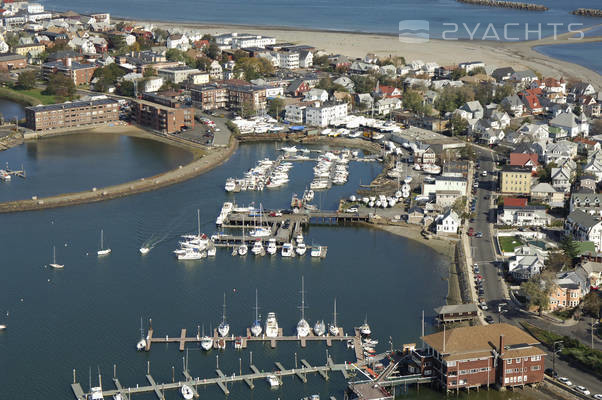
x: 497, y: 167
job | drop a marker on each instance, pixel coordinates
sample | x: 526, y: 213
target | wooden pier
x: 182, y: 339
x: 222, y: 380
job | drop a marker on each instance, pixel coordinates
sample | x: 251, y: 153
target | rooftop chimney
x: 501, y: 345
x: 68, y: 62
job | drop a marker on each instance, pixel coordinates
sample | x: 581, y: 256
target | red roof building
x: 524, y: 160
x: 515, y: 202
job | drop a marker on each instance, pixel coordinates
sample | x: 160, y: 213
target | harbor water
x: 86, y: 317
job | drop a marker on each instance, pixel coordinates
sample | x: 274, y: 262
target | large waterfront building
x: 72, y: 115
x: 80, y: 73
x: 235, y: 95
x: 325, y: 114
x: 209, y: 97
x: 499, y: 355
x: 162, y: 118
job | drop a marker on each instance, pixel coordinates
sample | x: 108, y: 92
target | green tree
x: 412, y: 100
x: 545, y: 173
x: 592, y: 304
x: 501, y: 92
x: 126, y: 88
x: 160, y: 35
x: 477, y: 70
x: 254, y: 68
x: 275, y: 107
x: 60, y: 86
x: 107, y: 76
x: 363, y: 83
x: 570, y: 248
x: 468, y: 153
x: 458, y: 125
x: 577, y: 110
x: 26, y: 80
x: 458, y: 73
x: 557, y: 261
x: 212, y: 51
x: 459, y: 205
x: 247, y: 109
x: 537, y: 289
x: 150, y: 71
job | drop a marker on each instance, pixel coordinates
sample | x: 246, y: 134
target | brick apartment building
x: 229, y: 94
x: 70, y: 115
x: 81, y: 73
x: 209, y: 97
x: 9, y: 62
x: 162, y: 118
x: 501, y: 355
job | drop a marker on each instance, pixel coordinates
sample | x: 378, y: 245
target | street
x: 484, y: 254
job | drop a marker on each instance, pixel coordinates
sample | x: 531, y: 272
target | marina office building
x: 72, y: 115
x: 500, y: 355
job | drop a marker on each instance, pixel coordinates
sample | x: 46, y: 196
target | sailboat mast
x: 53, y: 254
x: 256, y: 308
x: 335, y: 312
x: 302, y: 297
x: 198, y: 218
x: 224, y: 313
x: 101, y: 239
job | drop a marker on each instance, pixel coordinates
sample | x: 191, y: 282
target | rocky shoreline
x: 587, y: 12
x: 506, y: 4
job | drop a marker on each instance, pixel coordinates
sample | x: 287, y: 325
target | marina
x: 6, y: 174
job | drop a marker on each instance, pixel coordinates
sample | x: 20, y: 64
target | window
x: 509, y: 361
x: 535, y: 368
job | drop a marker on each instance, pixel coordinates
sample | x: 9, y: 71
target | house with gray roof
x: 547, y: 194
x: 584, y: 227
x: 527, y: 262
x: 514, y: 105
x: 474, y: 109
x: 572, y: 124
x: 590, y: 203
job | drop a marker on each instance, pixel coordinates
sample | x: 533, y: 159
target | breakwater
x: 506, y: 4
x: 587, y: 12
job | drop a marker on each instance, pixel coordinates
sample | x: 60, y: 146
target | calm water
x: 11, y: 110
x: 577, y: 53
x: 87, y: 315
x: 350, y: 15
x: 83, y: 161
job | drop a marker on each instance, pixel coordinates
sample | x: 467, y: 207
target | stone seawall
x: 506, y: 4
x: 587, y: 12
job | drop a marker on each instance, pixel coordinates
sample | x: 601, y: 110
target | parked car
x: 352, y: 210
x: 470, y: 231
x: 583, y: 390
x: 479, y: 235
x: 489, y: 319
x: 566, y: 381
x: 597, y: 396
x: 551, y: 372
x: 484, y: 306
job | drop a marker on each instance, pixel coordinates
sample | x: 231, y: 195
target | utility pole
x: 554, y: 351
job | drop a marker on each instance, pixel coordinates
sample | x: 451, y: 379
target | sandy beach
x: 519, y: 55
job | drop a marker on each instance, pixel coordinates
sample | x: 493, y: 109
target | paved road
x: 484, y: 255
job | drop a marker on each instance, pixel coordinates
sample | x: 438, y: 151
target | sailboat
x: 186, y: 392
x: 302, y: 326
x: 223, y: 329
x: 365, y: 328
x: 54, y: 264
x: 102, y: 251
x: 319, y: 328
x: 141, y: 345
x: 256, y: 327
x: 333, y: 329
x: 243, y: 249
x: 206, y: 341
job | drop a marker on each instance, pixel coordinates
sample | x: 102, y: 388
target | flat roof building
x: 72, y: 115
x: 162, y: 118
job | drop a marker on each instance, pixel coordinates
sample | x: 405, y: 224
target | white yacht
x: 141, y: 345
x: 117, y: 396
x: 316, y: 251
x: 272, y: 249
x: 308, y: 195
x: 96, y: 393
x: 223, y: 329
x: 301, y: 248
x: 320, y: 328
x: 186, y: 392
x: 102, y: 251
x: 243, y: 249
x: 212, y: 251
x: 365, y: 328
x: 54, y: 264
x: 257, y: 248
x: 256, y: 328
x: 291, y: 149
x: 303, y: 328
x: 273, y: 381
x: 299, y: 238
x: 2, y: 327
x: 261, y: 231
x: 206, y: 343
x: 230, y: 185
x: 191, y: 254
x: 271, y: 325
x: 333, y: 329
x: 144, y: 250
x: 287, y: 250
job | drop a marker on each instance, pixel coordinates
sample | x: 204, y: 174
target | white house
x: 315, y: 94
x: 445, y: 183
x: 559, y: 151
x: 215, y: 70
x: 590, y: 203
x: 385, y: 106
x: 524, y: 216
x: 306, y: 59
x: 325, y: 115
x: 237, y: 40
x: 527, y: 262
x: 447, y: 223
x: 178, y: 41
x: 295, y: 113
x: 561, y: 179
x: 177, y: 74
x: 153, y: 84
x: 571, y: 124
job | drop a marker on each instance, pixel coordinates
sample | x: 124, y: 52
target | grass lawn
x: 37, y: 93
x: 509, y: 243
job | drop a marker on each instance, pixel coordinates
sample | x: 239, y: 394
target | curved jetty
x: 506, y: 4
x: 587, y: 12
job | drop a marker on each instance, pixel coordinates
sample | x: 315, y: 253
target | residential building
x: 570, y: 123
x: 447, y: 223
x: 9, y: 62
x: 474, y: 109
x: 200, y: 78
x: 32, y: 50
x: 471, y: 66
x: 386, y: 105
x: 153, y: 84
x: 445, y: 183
x: 547, y: 194
x: 561, y: 179
x: 209, y: 97
x: 325, y: 114
x: 524, y: 160
x: 523, y: 215
x: 236, y: 40
x: 560, y: 151
x: 306, y: 59
x: 590, y: 203
x: 177, y: 74
x: 71, y: 115
x: 500, y: 355
x: 454, y: 313
x: 569, y: 289
x: 178, y: 41
x: 80, y: 73
x: 446, y: 198
x: 593, y: 271
x: 162, y: 118
x: 527, y: 262
x: 246, y: 97
x: 215, y: 70
x: 584, y: 227
x: 315, y: 94
x: 295, y: 113
x: 514, y: 105
x: 515, y: 180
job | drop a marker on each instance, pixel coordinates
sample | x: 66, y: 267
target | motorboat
x: 287, y: 250
x: 261, y: 231
x: 219, y: 343
x: 96, y: 393
x: 316, y: 251
x: 273, y: 381
x: 256, y: 328
x: 230, y: 185
x: 272, y: 249
x: 141, y: 345
x: 191, y: 254
x: 257, y: 248
x: 54, y: 264
x: 271, y: 325
x: 144, y: 250
x: 243, y: 250
x: 206, y: 343
x: 117, y: 396
x: 408, y: 179
x: 319, y: 328
x: 224, y: 328
x: 308, y: 195
x: 433, y: 169
x: 299, y: 238
x: 333, y: 329
x: 212, y: 251
x: 303, y: 328
x: 102, y: 251
x: 291, y: 149
x: 4, y: 175
x: 186, y: 392
x: 2, y: 327
x: 301, y: 248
